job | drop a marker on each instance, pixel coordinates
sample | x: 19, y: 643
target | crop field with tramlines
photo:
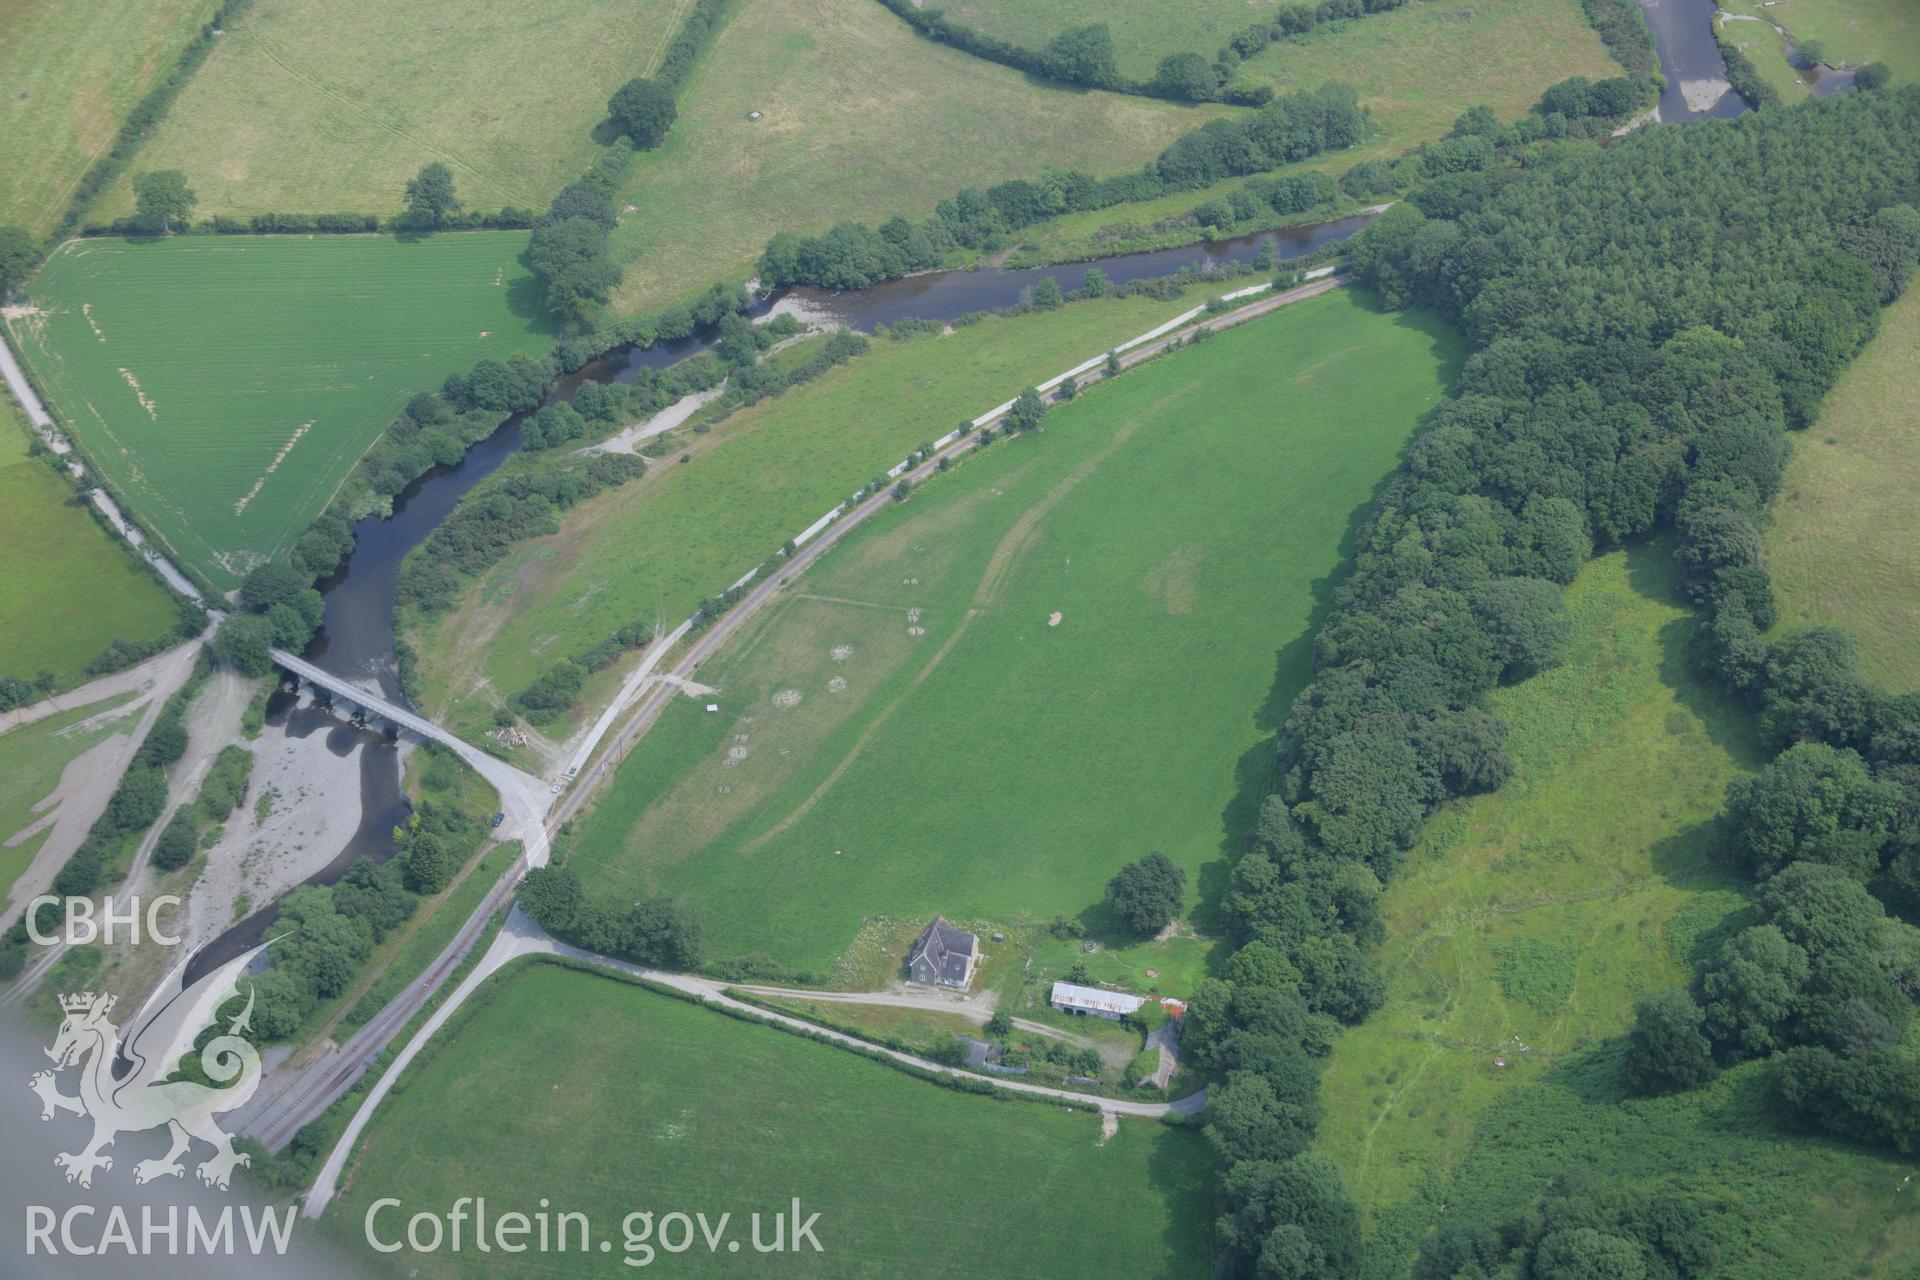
x: 224, y: 386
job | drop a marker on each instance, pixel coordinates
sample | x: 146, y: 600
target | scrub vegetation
x: 1526, y: 923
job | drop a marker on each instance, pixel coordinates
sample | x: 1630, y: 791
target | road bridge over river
x: 524, y: 798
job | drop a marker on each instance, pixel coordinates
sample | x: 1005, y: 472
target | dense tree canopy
x: 643, y: 110
x: 1082, y: 55
x: 1147, y: 894
x: 16, y: 256
x: 430, y: 196
x: 1814, y: 803
x: 1628, y: 375
x: 162, y: 199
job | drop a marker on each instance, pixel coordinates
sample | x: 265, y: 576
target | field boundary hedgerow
x: 139, y: 126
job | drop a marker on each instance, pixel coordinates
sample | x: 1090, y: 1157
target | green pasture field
x: 1844, y: 549
x: 1406, y: 65
x: 1417, y: 68
x: 32, y: 758
x: 70, y: 74
x: 1143, y: 31
x: 715, y: 1115
x: 1762, y: 46
x: 859, y: 118
x: 654, y: 548
x: 1855, y: 32
x: 224, y: 386
x: 325, y: 106
x: 1527, y: 923
x: 1068, y: 653
x: 67, y: 588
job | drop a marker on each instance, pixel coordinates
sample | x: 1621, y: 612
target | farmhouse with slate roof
x: 944, y: 956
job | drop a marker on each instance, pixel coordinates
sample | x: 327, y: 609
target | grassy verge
x: 405, y: 954
x: 921, y: 1031
x: 440, y: 920
x: 1030, y: 627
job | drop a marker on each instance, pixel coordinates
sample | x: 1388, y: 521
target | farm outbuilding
x: 1071, y: 998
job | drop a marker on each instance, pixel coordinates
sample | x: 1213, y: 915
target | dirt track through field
x: 1005, y: 555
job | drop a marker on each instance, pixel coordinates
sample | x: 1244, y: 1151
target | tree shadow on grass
x: 1180, y: 1168
x: 1696, y: 858
x: 1729, y: 724
x: 527, y: 300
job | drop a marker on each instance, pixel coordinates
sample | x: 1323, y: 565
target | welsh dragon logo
x: 146, y: 1097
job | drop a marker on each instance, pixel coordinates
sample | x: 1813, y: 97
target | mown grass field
x: 656, y: 547
x: 1528, y: 922
x: 71, y: 72
x: 860, y: 118
x: 1417, y: 68
x: 1844, y: 549
x: 723, y: 1117
x: 225, y: 386
x: 324, y: 106
x: 32, y: 758
x: 66, y: 588
x: 1095, y: 627
x: 1143, y: 32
